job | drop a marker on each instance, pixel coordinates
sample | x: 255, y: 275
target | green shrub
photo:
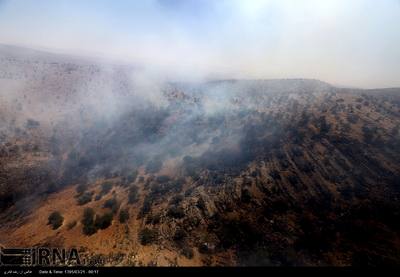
x: 55, y: 220
x: 133, y: 194
x: 81, y: 188
x: 88, y: 222
x: 187, y: 252
x: 123, y: 216
x: 105, y: 188
x: 85, y: 198
x: 176, y: 212
x: 132, y: 177
x: 147, y: 236
x: 156, y: 218
x: 179, y: 235
x: 176, y: 199
x: 146, y: 208
x: 102, y: 222
x: 163, y: 179
x: 89, y: 230
x: 111, y: 204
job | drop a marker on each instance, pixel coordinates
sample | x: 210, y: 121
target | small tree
x: 55, y: 220
x: 133, y: 194
x: 147, y: 236
x: 102, y: 222
x: 84, y: 198
x: 179, y: 235
x: 105, y: 188
x: 187, y: 252
x: 81, y: 188
x: 176, y: 212
x: 123, y: 215
x: 88, y: 222
x: 111, y: 204
x: 132, y: 177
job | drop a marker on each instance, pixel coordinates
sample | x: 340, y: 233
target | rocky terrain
x: 134, y: 171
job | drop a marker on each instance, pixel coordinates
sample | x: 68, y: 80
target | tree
x: 88, y: 222
x: 81, y: 188
x: 105, y: 188
x: 123, y: 215
x: 187, y: 252
x: 103, y: 221
x: 55, y: 220
x: 176, y: 212
x: 133, y: 194
x: 147, y: 236
x: 179, y: 235
x: 111, y: 204
x: 85, y: 198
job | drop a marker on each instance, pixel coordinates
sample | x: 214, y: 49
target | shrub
x: 203, y: 249
x: 55, y: 220
x: 246, y: 196
x: 81, y: 188
x: 147, y: 236
x: 179, y: 235
x: 89, y: 230
x: 275, y: 175
x: 176, y: 199
x: 111, y: 204
x: 156, y: 218
x: 88, y: 222
x: 85, y: 198
x: 102, y: 222
x: 153, y: 219
x: 201, y: 204
x: 176, y: 212
x: 163, y: 179
x: 146, y: 208
x: 105, y: 188
x: 123, y: 215
x: 132, y: 177
x: 133, y: 194
x: 187, y: 252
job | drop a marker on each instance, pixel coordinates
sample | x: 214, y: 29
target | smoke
x: 351, y: 43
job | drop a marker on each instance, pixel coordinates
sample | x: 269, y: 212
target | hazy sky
x: 346, y: 42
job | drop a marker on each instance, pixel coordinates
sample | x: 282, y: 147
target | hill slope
x: 251, y: 172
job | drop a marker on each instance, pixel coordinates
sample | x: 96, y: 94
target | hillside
x: 215, y: 173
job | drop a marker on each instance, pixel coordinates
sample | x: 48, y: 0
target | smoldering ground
x: 92, y: 120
